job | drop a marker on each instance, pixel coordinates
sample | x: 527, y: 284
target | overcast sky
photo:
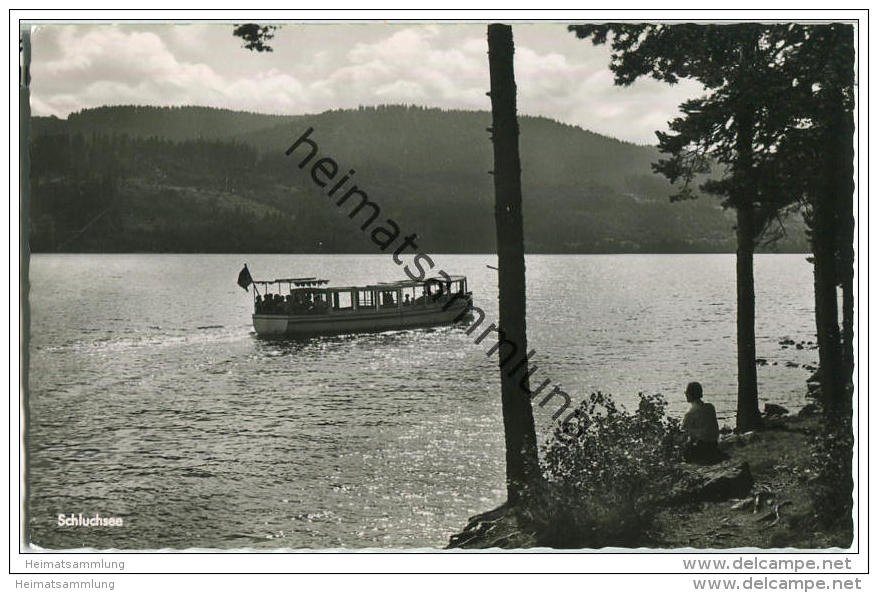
x: 316, y: 67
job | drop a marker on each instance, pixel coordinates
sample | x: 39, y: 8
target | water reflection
x: 202, y: 434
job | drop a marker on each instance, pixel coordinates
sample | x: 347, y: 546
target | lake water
x: 151, y: 398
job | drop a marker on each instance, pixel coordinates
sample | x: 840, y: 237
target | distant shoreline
x: 193, y: 180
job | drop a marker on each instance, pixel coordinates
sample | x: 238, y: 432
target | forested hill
x: 196, y: 179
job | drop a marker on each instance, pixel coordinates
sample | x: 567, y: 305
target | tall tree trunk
x: 844, y: 139
x: 748, y: 416
x: 522, y: 469
x: 828, y: 225
x: 826, y: 303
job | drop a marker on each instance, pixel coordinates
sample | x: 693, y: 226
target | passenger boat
x: 309, y: 307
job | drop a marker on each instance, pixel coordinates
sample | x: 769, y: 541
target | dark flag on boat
x: 245, y: 279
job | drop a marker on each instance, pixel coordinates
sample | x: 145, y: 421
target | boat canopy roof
x: 317, y: 285
x: 413, y: 283
x: 311, y: 281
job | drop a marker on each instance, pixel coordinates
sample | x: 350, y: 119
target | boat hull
x: 364, y: 320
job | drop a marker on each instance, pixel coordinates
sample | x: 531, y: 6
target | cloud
x: 412, y: 65
x: 110, y: 65
x: 319, y: 67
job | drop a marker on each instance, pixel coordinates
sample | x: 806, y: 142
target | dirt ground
x: 782, y: 514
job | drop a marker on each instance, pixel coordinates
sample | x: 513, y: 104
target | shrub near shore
x: 605, y: 470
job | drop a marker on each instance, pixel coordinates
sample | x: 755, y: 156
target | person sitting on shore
x: 701, y: 428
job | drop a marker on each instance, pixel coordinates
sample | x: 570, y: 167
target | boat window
x: 365, y: 299
x: 341, y: 300
x: 388, y: 299
x: 418, y: 295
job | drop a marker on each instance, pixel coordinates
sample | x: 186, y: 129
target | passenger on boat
x: 407, y: 301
